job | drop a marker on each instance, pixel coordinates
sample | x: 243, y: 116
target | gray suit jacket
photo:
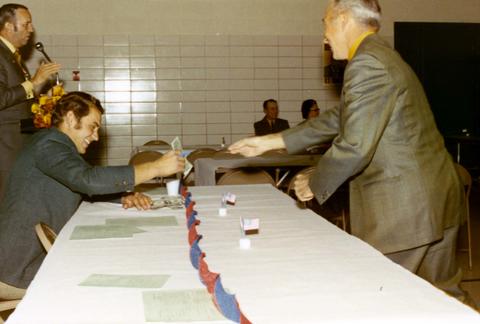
x: 46, y: 185
x: 404, y: 190
x: 14, y: 106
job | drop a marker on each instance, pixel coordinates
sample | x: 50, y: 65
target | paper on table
x: 250, y: 224
x: 143, y: 221
x: 179, y: 306
x: 125, y: 281
x: 85, y: 232
x: 230, y: 198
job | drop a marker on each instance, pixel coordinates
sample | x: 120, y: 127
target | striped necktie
x: 18, y: 58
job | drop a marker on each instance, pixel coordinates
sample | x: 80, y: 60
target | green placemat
x: 125, y: 281
x: 143, y: 221
x: 87, y: 232
x: 180, y: 306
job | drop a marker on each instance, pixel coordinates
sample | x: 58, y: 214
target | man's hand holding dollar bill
x: 177, y: 146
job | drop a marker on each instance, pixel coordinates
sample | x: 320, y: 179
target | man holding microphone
x: 17, y: 86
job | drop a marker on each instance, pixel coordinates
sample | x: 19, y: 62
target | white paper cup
x: 245, y: 243
x: 222, y: 211
x: 173, y: 187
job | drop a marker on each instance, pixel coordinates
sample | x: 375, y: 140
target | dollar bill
x: 173, y: 202
x: 177, y: 144
x: 188, y: 168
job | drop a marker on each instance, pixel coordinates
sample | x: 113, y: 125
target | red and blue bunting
x: 225, y: 302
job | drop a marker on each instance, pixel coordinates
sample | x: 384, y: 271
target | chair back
x: 225, y: 154
x: 144, y: 156
x: 7, y: 305
x: 46, y: 235
x: 156, y: 142
x: 466, y: 179
x: 245, y: 176
x: 204, y: 152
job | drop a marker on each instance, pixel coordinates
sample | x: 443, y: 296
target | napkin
x: 143, y: 221
x: 179, y: 306
x: 86, y: 232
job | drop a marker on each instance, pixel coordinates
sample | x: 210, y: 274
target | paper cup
x: 173, y: 187
x: 245, y: 243
x: 222, y: 211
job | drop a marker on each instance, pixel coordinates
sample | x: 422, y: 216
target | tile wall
x: 201, y: 88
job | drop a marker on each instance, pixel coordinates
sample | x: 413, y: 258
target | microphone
x: 39, y: 47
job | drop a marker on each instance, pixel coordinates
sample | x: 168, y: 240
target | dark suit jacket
x: 14, y: 106
x: 404, y: 190
x: 45, y: 185
x: 262, y: 127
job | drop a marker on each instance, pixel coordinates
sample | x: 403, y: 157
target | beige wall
x: 199, y: 69
x: 230, y: 17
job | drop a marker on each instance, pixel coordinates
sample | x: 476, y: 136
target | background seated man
x: 47, y: 183
x: 270, y: 124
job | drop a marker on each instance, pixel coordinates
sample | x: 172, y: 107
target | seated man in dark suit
x: 49, y: 180
x: 270, y: 124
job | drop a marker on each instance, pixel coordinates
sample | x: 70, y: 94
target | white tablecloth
x: 300, y: 268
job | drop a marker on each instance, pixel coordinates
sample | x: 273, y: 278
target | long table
x: 299, y: 269
x: 187, y: 149
x: 206, y: 168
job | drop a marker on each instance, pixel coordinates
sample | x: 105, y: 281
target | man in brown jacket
x: 17, y: 87
x: 406, y: 198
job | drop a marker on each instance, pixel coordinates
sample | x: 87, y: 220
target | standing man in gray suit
x: 406, y: 198
x: 17, y: 88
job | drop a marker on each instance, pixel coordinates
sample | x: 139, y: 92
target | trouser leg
x: 3, y: 182
x: 441, y: 269
x: 437, y: 264
x: 11, y: 143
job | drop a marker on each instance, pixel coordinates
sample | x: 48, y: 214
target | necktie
x: 18, y: 58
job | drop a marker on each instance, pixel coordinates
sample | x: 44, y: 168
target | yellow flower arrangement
x: 42, y: 110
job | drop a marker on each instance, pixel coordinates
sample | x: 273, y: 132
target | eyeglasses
x: 317, y: 109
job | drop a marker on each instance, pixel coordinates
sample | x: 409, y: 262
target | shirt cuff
x: 28, y: 86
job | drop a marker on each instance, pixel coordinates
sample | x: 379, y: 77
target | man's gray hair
x: 367, y: 12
